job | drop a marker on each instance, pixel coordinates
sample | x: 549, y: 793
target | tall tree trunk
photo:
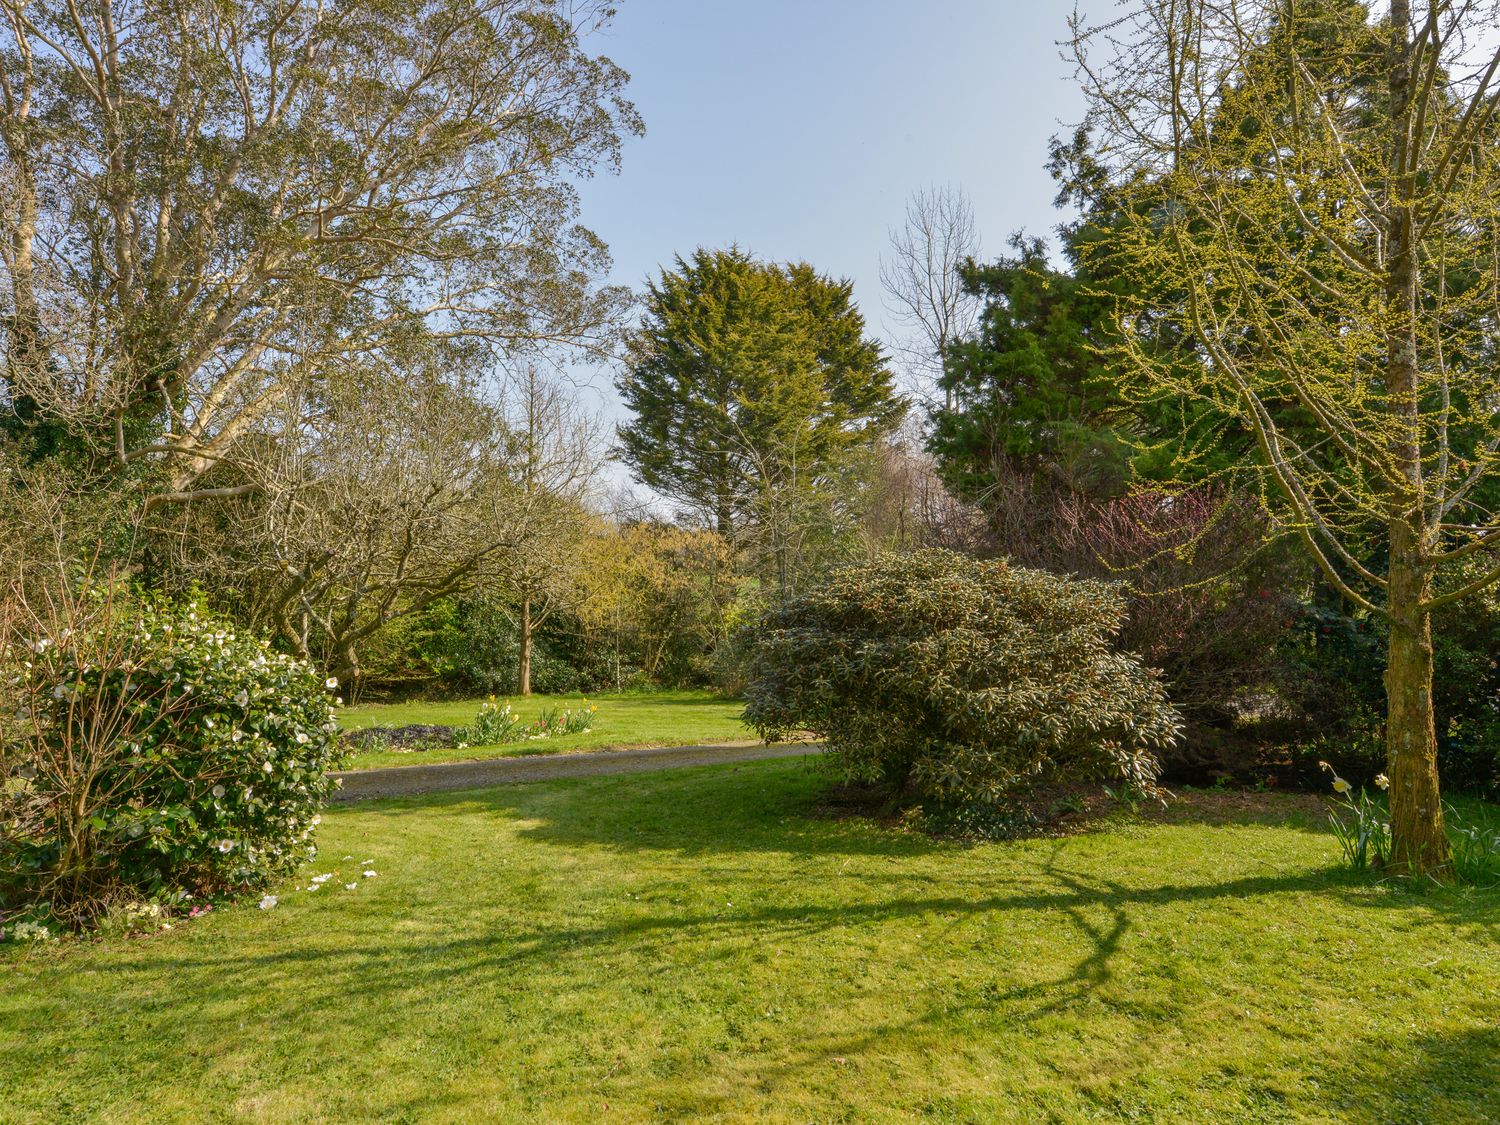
x: 523, y: 669
x: 1419, y: 845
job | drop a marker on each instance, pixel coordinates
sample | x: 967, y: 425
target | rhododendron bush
x: 150, y: 751
x: 960, y: 680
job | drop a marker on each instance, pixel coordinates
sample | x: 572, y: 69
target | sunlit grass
x: 668, y: 718
x: 702, y: 945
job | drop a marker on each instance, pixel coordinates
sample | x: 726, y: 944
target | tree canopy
x: 1317, y: 190
x: 207, y: 202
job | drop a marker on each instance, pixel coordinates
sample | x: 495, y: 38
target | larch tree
x: 1320, y: 190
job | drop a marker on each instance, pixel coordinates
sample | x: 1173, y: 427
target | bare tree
x: 909, y: 506
x: 377, y: 489
x: 923, y: 286
x: 547, y: 509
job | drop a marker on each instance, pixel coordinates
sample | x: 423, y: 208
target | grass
x: 667, y: 718
x: 700, y: 945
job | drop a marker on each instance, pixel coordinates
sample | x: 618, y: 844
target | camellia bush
x: 961, y: 681
x: 151, y: 752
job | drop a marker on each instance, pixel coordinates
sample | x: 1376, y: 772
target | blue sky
x: 799, y: 129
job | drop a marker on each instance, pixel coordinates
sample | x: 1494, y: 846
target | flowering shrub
x: 963, y: 681
x: 153, y: 753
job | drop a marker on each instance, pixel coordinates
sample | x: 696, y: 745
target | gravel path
x: 403, y: 781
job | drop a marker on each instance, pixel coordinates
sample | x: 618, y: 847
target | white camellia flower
x: 226, y: 845
x: 350, y: 886
x: 331, y: 683
x: 266, y: 767
x: 370, y: 873
x: 268, y: 902
x: 217, y: 791
x: 301, y: 738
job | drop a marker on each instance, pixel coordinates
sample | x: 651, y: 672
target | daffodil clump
x: 497, y: 724
x: 156, y: 754
x: 1363, y: 827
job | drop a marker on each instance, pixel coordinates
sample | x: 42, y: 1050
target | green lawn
x: 699, y: 945
x: 667, y: 718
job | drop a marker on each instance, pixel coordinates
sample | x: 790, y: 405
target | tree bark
x: 523, y: 668
x: 1419, y: 845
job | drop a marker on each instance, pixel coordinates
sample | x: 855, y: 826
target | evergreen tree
x: 754, y: 390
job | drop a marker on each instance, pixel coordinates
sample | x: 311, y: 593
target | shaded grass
x: 668, y: 718
x: 693, y: 945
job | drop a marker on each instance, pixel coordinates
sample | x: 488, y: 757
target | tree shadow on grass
x: 398, y: 961
x: 1428, y: 1079
x: 1092, y: 913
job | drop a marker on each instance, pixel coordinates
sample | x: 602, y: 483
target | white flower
x: 367, y: 863
x: 315, y: 887
x: 350, y: 886
x: 317, y: 820
x: 1382, y: 781
x: 236, y: 736
x: 369, y: 873
x: 226, y: 845
x: 266, y: 767
x: 331, y: 683
x: 1341, y: 786
x: 217, y: 791
x: 268, y: 902
x: 301, y: 738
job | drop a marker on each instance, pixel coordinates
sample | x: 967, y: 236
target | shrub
x: 410, y: 738
x: 1205, y: 590
x: 959, y: 680
x: 152, y: 753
